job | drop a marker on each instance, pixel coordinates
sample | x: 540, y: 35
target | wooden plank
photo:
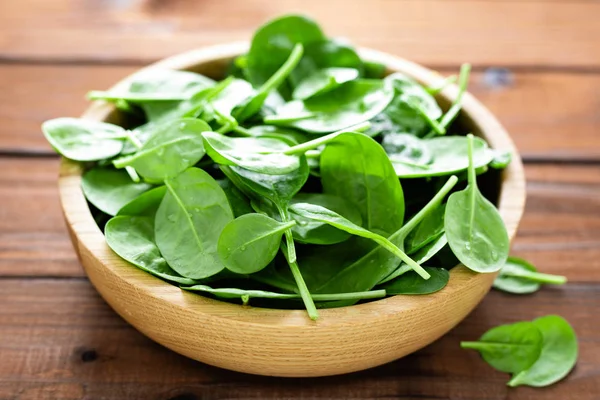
x: 560, y: 231
x: 435, y: 32
x: 65, y: 342
x: 538, y: 109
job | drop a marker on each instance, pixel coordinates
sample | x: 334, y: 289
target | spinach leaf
x: 132, y: 238
x: 329, y: 53
x: 189, y: 221
x: 501, y: 159
x: 246, y: 295
x: 263, y: 155
x: 146, y: 204
x: 365, y: 272
x: 558, y: 355
x: 250, y: 242
x: 519, y: 276
x: 157, y: 91
x: 83, y: 140
x: 509, y: 348
x: 474, y: 228
x: 322, y: 214
x: 427, y: 231
x: 323, y: 80
x: 290, y: 136
x: 273, y: 42
x: 254, y: 103
x: 237, y: 201
x: 412, y: 283
x: 422, y: 158
x: 172, y: 148
x: 355, y: 167
x: 311, y: 231
x: 350, y: 104
x: 109, y: 189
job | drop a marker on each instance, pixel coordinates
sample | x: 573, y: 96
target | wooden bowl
x: 283, y: 342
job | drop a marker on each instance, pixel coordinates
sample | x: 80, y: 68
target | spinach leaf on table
x: 132, y: 238
x: 172, y: 148
x: 83, y: 140
x: 351, y: 103
x: 509, y: 348
x: 250, y: 242
x: 315, y: 232
x: 519, y: 276
x: 558, y: 355
x: 189, y: 221
x: 474, y: 228
x: 109, y: 189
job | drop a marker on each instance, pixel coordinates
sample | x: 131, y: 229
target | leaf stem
x: 304, y: 292
x: 538, y: 277
x: 429, y: 208
x: 313, y: 144
x: 441, y: 85
x: 132, y: 173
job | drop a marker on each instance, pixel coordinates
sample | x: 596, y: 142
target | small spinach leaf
x: 558, y: 355
x: 172, y: 148
x: 83, y: 140
x: 109, y: 189
x: 509, y: 348
x: 323, y: 80
x: 350, y: 104
x: 189, y: 221
x: 250, y: 242
x: 132, y: 238
x: 237, y: 201
x: 355, y: 167
x: 315, y: 232
x: 260, y: 154
x: 474, y: 228
x: 519, y: 276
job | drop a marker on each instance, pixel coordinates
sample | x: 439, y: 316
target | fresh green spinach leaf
x: 519, y: 276
x: 411, y: 282
x: 474, y: 228
x: 323, y: 80
x: 189, y: 221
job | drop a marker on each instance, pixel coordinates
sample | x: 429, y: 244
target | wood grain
x: 433, y: 32
x: 560, y: 230
x: 72, y: 345
x: 537, y: 109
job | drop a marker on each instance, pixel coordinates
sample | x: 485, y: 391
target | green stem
x: 474, y: 345
x: 437, y: 127
x: 132, y: 174
x: 539, y: 277
x: 436, y: 88
x: 372, y: 294
x: 134, y: 140
x: 242, y: 131
x: 289, y: 236
x: 452, y: 113
x: 128, y: 96
x: 389, y: 246
x: 428, y: 209
x: 395, y: 160
x: 304, y: 292
x: 280, y: 120
x: 313, y: 144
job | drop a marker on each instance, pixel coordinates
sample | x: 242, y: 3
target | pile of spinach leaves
x: 306, y: 175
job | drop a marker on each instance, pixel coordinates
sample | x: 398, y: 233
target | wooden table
x: 59, y: 340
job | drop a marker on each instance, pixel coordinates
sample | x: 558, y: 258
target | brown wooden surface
x: 59, y: 340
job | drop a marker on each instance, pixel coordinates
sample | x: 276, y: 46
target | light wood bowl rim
x: 88, y: 239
